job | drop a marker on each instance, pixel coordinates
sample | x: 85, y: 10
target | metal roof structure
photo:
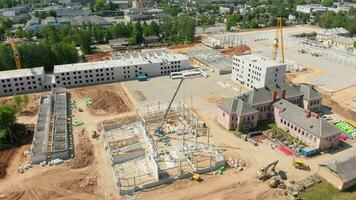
x: 344, y: 167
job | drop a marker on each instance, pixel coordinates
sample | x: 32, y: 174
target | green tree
x: 6, y: 58
x: 153, y: 28
x: 17, y: 101
x: 52, y: 13
x: 83, y: 38
x: 327, y: 3
x: 99, y: 5
x: 7, y: 119
x: 25, y: 100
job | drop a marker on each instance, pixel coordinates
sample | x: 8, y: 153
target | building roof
x: 37, y: 71
x: 308, y: 92
x: 259, y: 60
x: 344, y: 40
x: 236, y: 106
x: 313, y: 125
x: 264, y: 94
x: 344, y: 167
x: 333, y: 31
x: 140, y: 58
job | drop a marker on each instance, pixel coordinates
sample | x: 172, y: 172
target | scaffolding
x: 147, y: 160
x: 52, y: 138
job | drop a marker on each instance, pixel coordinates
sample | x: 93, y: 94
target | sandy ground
x: 87, y: 178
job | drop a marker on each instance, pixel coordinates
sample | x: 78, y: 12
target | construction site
x: 143, y: 158
x: 159, y: 137
x: 53, y: 138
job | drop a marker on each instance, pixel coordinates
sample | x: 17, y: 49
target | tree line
x: 333, y: 20
x: 8, y: 118
x: 58, y: 46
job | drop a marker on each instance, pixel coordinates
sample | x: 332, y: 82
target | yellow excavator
x: 298, y: 164
x: 263, y: 174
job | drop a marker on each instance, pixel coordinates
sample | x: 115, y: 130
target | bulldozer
x: 298, y: 164
x: 263, y: 173
x: 196, y: 177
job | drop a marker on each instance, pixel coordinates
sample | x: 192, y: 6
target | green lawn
x: 326, y: 191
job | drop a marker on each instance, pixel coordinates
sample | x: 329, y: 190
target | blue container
x: 308, y: 152
x: 142, y: 78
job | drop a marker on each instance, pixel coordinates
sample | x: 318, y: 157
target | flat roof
x: 37, y: 71
x: 123, y: 60
x: 261, y: 61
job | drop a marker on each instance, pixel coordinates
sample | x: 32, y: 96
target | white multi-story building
x: 123, y: 67
x: 21, y: 81
x: 255, y: 71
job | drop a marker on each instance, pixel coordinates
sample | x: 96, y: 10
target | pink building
x: 234, y: 112
x: 255, y: 105
x: 308, y: 127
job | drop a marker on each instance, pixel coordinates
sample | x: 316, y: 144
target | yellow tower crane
x: 16, y: 52
x: 278, y: 38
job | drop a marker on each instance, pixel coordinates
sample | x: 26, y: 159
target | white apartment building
x: 21, y: 81
x: 255, y: 71
x: 122, y: 68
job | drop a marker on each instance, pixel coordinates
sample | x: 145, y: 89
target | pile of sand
x: 105, y: 102
x: 86, y: 185
x: 83, y: 153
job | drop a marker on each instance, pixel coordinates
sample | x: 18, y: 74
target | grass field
x: 326, y: 191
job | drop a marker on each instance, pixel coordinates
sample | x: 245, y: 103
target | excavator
x: 263, y: 173
x: 298, y: 164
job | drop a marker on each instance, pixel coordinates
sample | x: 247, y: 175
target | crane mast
x: 16, y: 52
x: 278, y: 41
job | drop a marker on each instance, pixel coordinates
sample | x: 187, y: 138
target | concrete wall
x: 312, y: 105
x: 248, y: 120
x: 253, y: 75
x: 20, y: 85
x: 224, y: 119
x: 331, y: 177
x: 81, y: 77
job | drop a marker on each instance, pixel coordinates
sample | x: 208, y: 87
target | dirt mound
x: 216, y: 99
x: 5, y: 157
x: 107, y: 99
x: 236, y: 50
x: 86, y: 185
x: 98, y: 57
x: 83, y: 153
x: 32, y: 193
x: 30, y: 110
x: 108, y: 102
